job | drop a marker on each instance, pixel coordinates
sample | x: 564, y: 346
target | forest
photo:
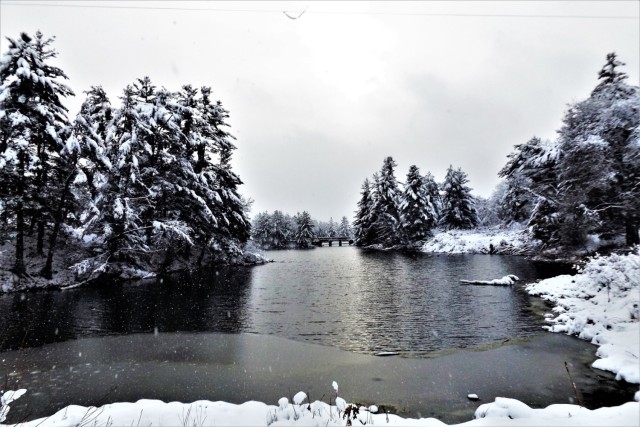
x: 144, y: 187
x: 582, y: 185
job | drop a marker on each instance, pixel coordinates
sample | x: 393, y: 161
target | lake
x: 364, y: 301
x: 312, y: 316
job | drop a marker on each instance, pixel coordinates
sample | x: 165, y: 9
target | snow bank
x: 502, y: 412
x: 560, y: 415
x: 479, y: 241
x: 600, y: 304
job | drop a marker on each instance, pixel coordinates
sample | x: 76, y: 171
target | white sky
x: 316, y: 103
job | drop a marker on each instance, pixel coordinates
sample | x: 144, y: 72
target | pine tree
x: 33, y: 127
x: 119, y: 218
x: 90, y: 129
x: 417, y: 212
x: 81, y: 158
x: 344, y: 229
x: 362, y: 225
x: 279, y: 228
x: 304, y: 234
x: 532, y: 174
x: 331, y: 228
x: 387, y: 223
x: 433, y: 193
x: 261, y: 229
x: 458, y: 204
x: 599, y: 169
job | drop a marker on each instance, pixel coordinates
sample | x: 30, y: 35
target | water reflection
x: 357, y: 300
x: 212, y: 300
x: 369, y: 301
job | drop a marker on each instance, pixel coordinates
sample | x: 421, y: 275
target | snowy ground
x: 514, y: 241
x: 502, y: 412
x: 601, y: 304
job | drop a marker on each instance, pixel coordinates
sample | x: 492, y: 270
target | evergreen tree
x: 532, y: 174
x: 235, y: 226
x: 432, y: 192
x: 362, y: 224
x: 279, y: 229
x: 79, y: 162
x: 458, y: 204
x: 387, y: 224
x: 331, y: 228
x: 261, y: 229
x: 33, y: 127
x: 304, y: 234
x: 344, y: 229
x: 90, y: 130
x: 599, y: 169
x: 417, y: 213
x: 123, y: 198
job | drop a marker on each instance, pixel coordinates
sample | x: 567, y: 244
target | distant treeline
x: 280, y: 230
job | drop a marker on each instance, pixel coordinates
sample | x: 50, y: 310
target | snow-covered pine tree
x: 599, y: 169
x: 234, y: 225
x: 416, y: 211
x: 433, y: 193
x: 261, y: 229
x: 33, y: 126
x: 344, y: 229
x: 532, y: 174
x: 362, y: 224
x: 279, y: 228
x: 387, y: 223
x: 118, y: 219
x: 81, y: 163
x: 304, y: 234
x: 331, y: 228
x: 458, y: 209
x: 90, y: 129
x: 516, y: 200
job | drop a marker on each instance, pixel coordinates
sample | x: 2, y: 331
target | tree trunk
x: 168, y: 259
x: 40, y: 241
x: 47, y: 271
x: 18, y: 268
x: 632, y: 233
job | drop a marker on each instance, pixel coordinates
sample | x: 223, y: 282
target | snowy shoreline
x: 67, y: 278
x: 300, y: 412
x: 601, y: 304
x: 480, y: 241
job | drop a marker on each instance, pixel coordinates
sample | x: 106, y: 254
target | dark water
x: 356, y: 300
x: 226, y: 335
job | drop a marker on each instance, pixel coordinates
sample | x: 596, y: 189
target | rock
x: 473, y: 397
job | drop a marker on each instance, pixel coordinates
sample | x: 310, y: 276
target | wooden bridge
x: 318, y: 241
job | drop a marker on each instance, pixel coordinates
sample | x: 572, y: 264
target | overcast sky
x: 317, y: 102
